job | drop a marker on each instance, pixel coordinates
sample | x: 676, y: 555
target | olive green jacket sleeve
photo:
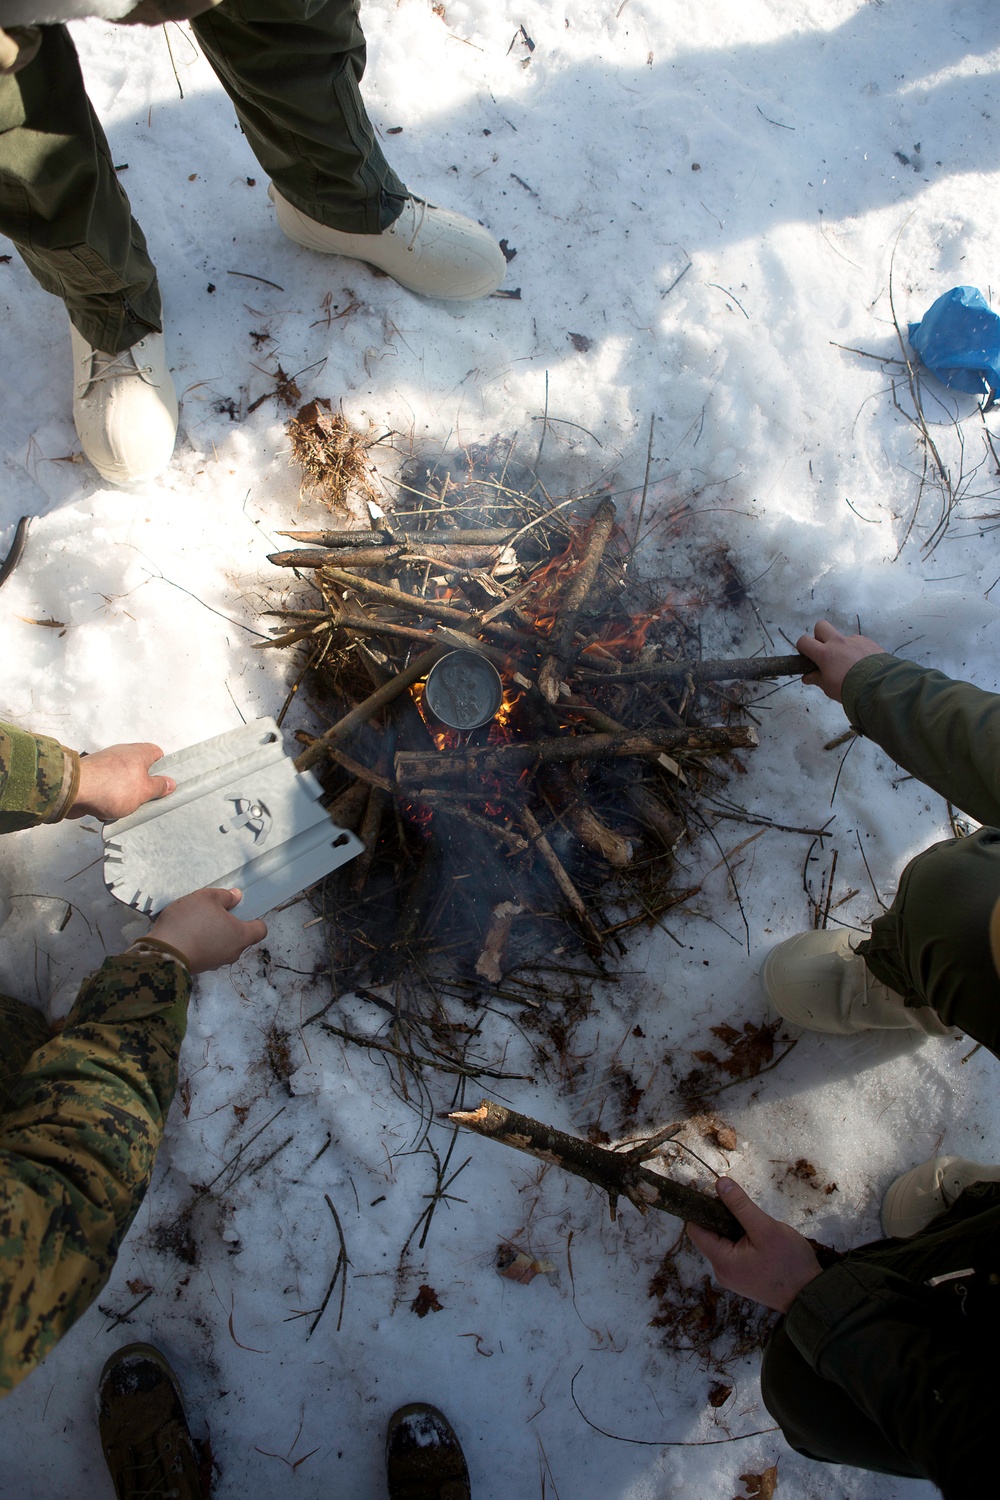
x: 946, y: 733
x: 926, y: 1378
x: 78, y: 1137
x: 39, y: 779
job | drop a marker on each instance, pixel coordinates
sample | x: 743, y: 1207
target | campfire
x: 520, y: 729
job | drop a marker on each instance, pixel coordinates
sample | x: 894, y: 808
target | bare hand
x: 203, y: 928
x: 770, y: 1264
x: 834, y: 655
x: 116, y: 781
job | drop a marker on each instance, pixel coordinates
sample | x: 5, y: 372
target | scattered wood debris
x: 803, y: 1170
x: 332, y: 454
x: 700, y: 1318
x: 749, y: 1051
x: 278, y: 1053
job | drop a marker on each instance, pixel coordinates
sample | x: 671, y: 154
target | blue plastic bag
x: 958, y: 339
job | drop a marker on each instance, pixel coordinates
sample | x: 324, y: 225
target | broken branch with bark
x: 733, y: 669
x: 620, y: 1174
x: 413, y: 766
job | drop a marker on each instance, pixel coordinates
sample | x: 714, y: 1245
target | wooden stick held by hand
x: 620, y: 1174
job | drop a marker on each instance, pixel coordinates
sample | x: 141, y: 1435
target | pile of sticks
x: 553, y: 829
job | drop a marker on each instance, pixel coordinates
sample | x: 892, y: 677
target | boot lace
x: 420, y: 222
x: 156, y: 1472
x: 113, y: 366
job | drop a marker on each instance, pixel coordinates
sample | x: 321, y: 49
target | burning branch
x: 558, y: 871
x: 564, y: 628
x: 413, y: 768
x: 364, y: 711
x: 441, y: 536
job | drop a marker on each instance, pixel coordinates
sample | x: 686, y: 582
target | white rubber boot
x: 429, y: 250
x: 917, y: 1197
x: 125, y: 408
x: 817, y: 980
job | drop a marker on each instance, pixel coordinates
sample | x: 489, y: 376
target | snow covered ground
x: 717, y: 197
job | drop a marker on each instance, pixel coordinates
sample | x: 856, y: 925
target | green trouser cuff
x: 933, y: 944
x: 294, y: 79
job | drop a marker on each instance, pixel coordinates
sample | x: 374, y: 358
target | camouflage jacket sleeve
x: 78, y: 1137
x: 39, y: 779
x: 944, y: 732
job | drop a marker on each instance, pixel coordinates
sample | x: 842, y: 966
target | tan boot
x: 818, y: 981
x: 144, y: 1432
x: 917, y: 1197
x: 429, y: 250
x: 125, y: 408
x: 423, y: 1457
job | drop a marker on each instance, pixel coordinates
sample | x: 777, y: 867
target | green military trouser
x: 293, y: 70
x: 932, y: 946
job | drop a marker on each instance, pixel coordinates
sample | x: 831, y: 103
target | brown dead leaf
x: 804, y: 1171
x: 749, y: 1050
x: 517, y: 1265
x: 708, y: 1125
x: 137, y: 1286
x: 719, y: 1394
x: 581, y: 343
x: 426, y: 1301
x: 760, y: 1486
x: 722, y: 1136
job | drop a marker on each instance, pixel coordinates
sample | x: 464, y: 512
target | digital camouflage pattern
x: 79, y: 1131
x: 82, y: 1112
x: 38, y: 779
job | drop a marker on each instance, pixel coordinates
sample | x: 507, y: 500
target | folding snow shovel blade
x: 241, y: 816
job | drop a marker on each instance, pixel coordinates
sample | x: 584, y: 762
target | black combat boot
x: 144, y: 1432
x: 423, y: 1457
